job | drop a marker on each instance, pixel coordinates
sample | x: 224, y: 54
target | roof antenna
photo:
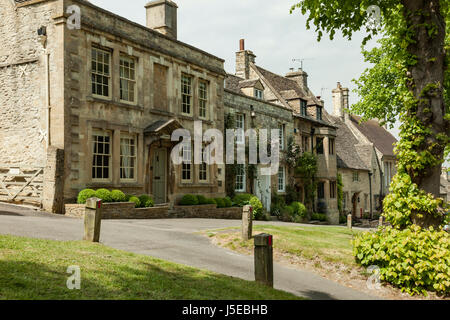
x: 322, y: 90
x: 301, y: 61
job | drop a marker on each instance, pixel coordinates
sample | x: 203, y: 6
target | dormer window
x: 303, y: 111
x: 259, y: 94
x: 319, y: 113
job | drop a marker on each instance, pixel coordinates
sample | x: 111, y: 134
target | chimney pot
x: 162, y: 17
x: 242, y: 44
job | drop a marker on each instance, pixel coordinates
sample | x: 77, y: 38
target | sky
x: 274, y: 35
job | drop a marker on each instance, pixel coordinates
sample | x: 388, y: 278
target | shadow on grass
x: 141, y: 281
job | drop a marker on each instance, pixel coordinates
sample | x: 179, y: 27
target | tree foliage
x: 409, y: 80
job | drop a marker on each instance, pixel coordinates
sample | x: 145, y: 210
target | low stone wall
x: 126, y: 210
x: 123, y: 210
x: 208, y: 211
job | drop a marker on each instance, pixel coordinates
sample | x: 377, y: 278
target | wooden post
x: 380, y: 221
x: 92, y: 219
x: 247, y: 224
x: 264, y: 259
x: 349, y: 221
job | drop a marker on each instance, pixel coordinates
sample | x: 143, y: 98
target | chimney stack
x: 300, y: 76
x: 162, y: 17
x: 243, y: 60
x: 340, y: 102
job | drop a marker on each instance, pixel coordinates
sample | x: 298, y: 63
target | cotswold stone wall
x: 127, y: 210
x: 22, y: 85
x: 208, y: 212
x: 124, y: 210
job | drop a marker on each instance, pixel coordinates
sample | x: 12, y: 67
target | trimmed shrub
x: 414, y: 259
x: 287, y: 214
x: 299, y: 209
x: 228, y: 202
x: 242, y: 199
x: 118, y: 196
x: 220, y: 202
x: 146, y: 201
x: 104, y: 194
x: 84, y: 195
x: 258, y: 211
x: 319, y: 216
x: 137, y: 202
x: 201, y: 199
x: 210, y: 201
x: 189, y: 200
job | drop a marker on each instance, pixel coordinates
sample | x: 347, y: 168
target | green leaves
x: 414, y: 259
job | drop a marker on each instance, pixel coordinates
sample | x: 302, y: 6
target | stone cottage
x: 365, y: 158
x: 95, y: 106
x: 310, y: 128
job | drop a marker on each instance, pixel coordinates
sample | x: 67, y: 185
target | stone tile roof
x: 351, y: 154
x: 248, y: 83
x: 382, y: 139
x: 281, y: 84
x: 232, y: 83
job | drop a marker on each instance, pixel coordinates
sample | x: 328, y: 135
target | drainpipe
x: 370, y: 200
x: 313, y: 131
x: 47, y: 93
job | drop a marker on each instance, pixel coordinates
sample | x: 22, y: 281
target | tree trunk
x: 429, y: 70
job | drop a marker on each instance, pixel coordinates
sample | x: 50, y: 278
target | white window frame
x: 186, y: 165
x: 131, y: 141
x: 259, y: 94
x: 203, y: 99
x: 240, y: 128
x: 129, y: 79
x: 240, y: 178
x: 94, y: 164
x: 203, y: 168
x: 281, y: 179
x: 281, y: 135
x: 103, y: 75
x: 186, y: 91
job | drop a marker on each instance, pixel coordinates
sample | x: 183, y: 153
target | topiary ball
x: 220, y: 202
x: 137, y: 202
x: 189, y: 200
x: 84, y: 195
x: 104, y: 194
x: 228, y: 202
x: 201, y: 199
x: 146, y: 201
x: 118, y: 196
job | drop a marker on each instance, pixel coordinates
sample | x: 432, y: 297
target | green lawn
x: 36, y: 269
x: 332, y: 244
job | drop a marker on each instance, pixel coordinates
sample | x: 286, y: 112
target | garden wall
x: 126, y: 210
x: 208, y: 211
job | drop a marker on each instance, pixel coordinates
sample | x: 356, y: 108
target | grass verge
x: 32, y: 269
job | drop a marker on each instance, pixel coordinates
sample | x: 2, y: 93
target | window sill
x: 114, y: 103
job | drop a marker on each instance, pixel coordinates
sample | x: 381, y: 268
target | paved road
x: 174, y: 240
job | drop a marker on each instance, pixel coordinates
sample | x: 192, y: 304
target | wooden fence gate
x: 22, y: 185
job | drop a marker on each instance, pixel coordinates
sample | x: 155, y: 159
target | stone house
x: 445, y: 184
x: 311, y: 129
x: 246, y: 109
x: 95, y: 106
x: 365, y: 158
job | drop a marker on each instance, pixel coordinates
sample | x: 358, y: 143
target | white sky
x: 275, y: 36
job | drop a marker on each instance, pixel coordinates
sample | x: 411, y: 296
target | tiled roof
x: 379, y: 136
x: 281, y: 83
x: 232, y: 83
x: 350, y: 153
x: 248, y: 83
